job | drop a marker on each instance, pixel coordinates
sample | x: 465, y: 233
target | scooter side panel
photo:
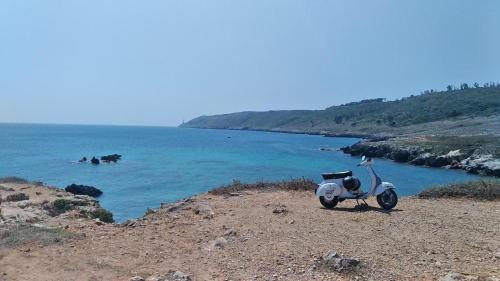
x: 328, y: 190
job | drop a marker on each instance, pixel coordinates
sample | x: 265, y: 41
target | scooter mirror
x: 363, y: 158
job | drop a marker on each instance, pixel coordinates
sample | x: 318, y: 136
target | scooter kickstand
x: 357, y: 204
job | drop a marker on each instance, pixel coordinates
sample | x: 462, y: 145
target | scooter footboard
x: 328, y: 190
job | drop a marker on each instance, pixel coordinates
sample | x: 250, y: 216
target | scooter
x: 337, y: 187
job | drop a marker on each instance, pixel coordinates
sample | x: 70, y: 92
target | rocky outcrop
x: 280, y: 209
x: 105, y: 159
x: 34, y: 203
x: 333, y: 261
x: 111, y: 158
x: 83, y: 190
x: 477, y: 162
x: 455, y: 276
x: 170, y: 276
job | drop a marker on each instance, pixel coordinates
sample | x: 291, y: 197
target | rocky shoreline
x: 23, y: 202
x: 420, y: 151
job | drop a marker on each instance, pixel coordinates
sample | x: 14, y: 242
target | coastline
x: 458, y: 153
x: 312, y: 133
x: 476, y: 161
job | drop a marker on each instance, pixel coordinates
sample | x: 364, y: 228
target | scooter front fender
x: 383, y: 187
x: 328, y: 190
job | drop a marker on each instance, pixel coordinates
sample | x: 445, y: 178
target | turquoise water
x: 166, y: 164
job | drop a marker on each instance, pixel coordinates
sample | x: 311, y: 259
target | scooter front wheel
x: 329, y: 204
x: 387, y: 199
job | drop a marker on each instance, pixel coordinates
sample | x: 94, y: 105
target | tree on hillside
x: 449, y: 88
x: 476, y: 85
x: 464, y: 86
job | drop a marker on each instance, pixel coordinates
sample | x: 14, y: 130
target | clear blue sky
x: 161, y: 62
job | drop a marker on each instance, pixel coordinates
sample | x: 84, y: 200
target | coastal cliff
x: 263, y: 231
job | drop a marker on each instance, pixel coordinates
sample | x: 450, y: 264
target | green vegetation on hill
x: 368, y: 116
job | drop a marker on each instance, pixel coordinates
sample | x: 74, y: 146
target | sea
x: 166, y: 164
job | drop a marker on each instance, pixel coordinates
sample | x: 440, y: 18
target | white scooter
x: 337, y: 187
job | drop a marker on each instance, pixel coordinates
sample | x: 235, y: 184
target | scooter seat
x: 338, y: 175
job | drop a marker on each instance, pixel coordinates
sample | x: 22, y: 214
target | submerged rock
x: 83, y: 190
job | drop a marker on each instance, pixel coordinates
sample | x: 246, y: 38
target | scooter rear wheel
x: 387, y: 199
x: 329, y: 204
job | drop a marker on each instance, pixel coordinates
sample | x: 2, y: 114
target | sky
x: 161, y: 62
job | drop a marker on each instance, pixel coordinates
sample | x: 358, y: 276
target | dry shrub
x: 21, y: 234
x: 290, y: 185
x: 482, y: 189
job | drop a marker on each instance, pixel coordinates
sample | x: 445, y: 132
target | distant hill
x: 454, y: 109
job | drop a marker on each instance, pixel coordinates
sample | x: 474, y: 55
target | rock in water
x: 83, y: 190
x: 95, y: 161
x: 111, y: 158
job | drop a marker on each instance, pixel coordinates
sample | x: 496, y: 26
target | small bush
x: 17, y: 197
x: 60, y: 206
x: 13, y: 180
x: 484, y: 190
x: 237, y: 186
x: 103, y: 215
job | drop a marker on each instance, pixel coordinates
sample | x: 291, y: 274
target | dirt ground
x: 251, y: 237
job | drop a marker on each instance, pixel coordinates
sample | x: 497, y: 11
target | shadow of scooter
x: 362, y: 208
